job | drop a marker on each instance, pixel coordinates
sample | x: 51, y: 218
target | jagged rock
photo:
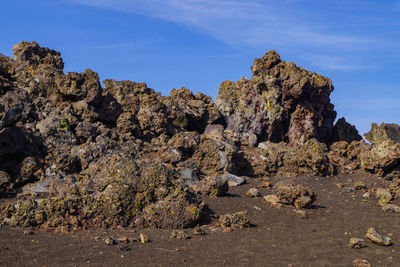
x: 233, y: 180
x: 37, y: 68
x: 283, y: 160
x: 79, y: 86
x: 299, y: 196
x: 236, y: 220
x: 383, y: 159
x: 216, y: 157
x: 113, y: 191
x: 343, y: 131
x: 191, y: 112
x: 282, y: 102
x: 211, y: 186
x: 253, y: 192
x: 7, y: 72
x: 383, y: 132
x: 125, y: 155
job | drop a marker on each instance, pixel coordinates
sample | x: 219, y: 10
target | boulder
x: 383, y: 159
x: 299, y: 196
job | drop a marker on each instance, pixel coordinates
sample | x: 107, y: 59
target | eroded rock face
x: 281, y: 103
x: 383, y: 132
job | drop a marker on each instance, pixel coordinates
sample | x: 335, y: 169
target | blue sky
x: 200, y: 43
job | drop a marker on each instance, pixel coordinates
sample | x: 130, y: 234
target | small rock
x: 350, y: 190
x: 110, y: 241
x: 253, y: 192
x: 383, y: 201
x: 124, y: 247
x: 143, y: 238
x: 361, y: 263
x: 301, y: 213
x: 357, y: 243
x: 384, y: 196
x: 122, y: 239
x: 339, y: 185
x: 198, y: 231
x: 302, y: 202
x: 296, y: 195
x: 360, y: 185
x: 367, y: 195
x: 391, y: 207
x: 273, y: 200
x: 211, y: 186
x: 28, y: 232
x: 265, y: 184
x: 376, y: 238
x: 232, y: 221
x: 234, y: 180
x: 179, y: 234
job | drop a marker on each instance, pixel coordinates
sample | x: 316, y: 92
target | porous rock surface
x: 281, y: 103
x: 77, y: 155
x: 383, y: 132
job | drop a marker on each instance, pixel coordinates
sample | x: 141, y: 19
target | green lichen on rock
x: 383, y: 132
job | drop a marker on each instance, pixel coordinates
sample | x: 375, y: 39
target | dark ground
x: 279, y: 236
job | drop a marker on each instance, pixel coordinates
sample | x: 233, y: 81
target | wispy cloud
x: 335, y: 62
x: 265, y: 23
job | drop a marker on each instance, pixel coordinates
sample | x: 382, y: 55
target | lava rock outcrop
x: 281, y: 103
x: 78, y: 155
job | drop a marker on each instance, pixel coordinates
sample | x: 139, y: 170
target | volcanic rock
x: 377, y: 238
x: 299, y: 196
x: 361, y: 263
x: 383, y: 132
x: 211, y: 186
x: 383, y: 159
x: 79, y: 155
x: 4, y: 181
x: 236, y: 220
x: 283, y: 160
x: 391, y: 208
x: 178, y: 234
x: 343, y: 131
x: 253, y: 192
x: 281, y: 102
x: 357, y: 243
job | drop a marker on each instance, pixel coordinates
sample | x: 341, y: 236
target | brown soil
x: 279, y: 237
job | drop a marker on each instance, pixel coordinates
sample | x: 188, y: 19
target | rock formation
x: 78, y: 155
x: 281, y: 103
x: 383, y: 132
